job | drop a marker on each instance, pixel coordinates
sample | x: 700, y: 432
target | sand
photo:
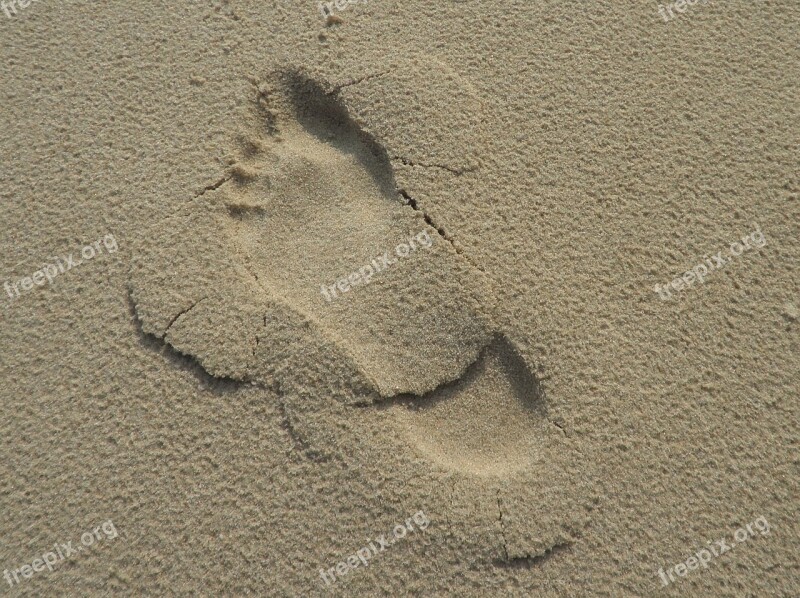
x: 456, y: 299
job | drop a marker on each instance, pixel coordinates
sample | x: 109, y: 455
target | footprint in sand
x: 311, y: 200
x: 320, y: 189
